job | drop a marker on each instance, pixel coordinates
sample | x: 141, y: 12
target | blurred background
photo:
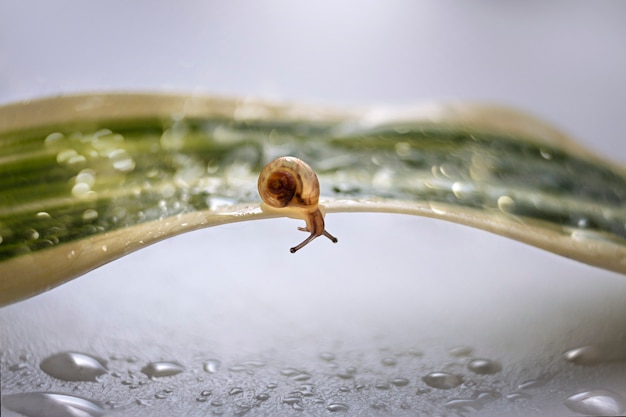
x: 398, y: 287
x: 562, y: 60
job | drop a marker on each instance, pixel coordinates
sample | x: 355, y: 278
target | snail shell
x: 289, y: 184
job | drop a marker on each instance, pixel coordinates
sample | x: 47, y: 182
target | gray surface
x: 392, y: 283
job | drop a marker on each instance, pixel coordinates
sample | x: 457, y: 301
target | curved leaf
x: 87, y: 179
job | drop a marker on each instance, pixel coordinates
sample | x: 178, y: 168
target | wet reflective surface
x: 432, y: 334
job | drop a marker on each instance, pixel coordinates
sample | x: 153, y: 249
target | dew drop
x: 211, y: 366
x: 90, y: 215
x: 291, y: 400
x: 336, y: 407
x: 262, y: 397
x: 596, y: 402
x: 32, y: 234
x: 53, y: 138
x: 389, y: 361
x: 65, y: 155
x: 162, y: 369
x: 400, y: 382
x: 327, y: 356
x: 382, y: 386
x: 306, y: 390
x: 51, y: 404
x: 74, y: 366
x: 442, y: 380
x: 484, y: 366
x: 122, y: 161
x: 303, y: 376
x: 596, y: 354
x: 81, y: 190
x: 460, y: 351
x: 534, y: 383
x: 235, y: 391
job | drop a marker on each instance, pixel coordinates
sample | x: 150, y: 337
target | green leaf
x: 87, y: 179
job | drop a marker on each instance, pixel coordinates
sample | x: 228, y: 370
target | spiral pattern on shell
x: 289, y: 181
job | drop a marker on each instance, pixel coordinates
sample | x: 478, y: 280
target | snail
x: 291, y: 186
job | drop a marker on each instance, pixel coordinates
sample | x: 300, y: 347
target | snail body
x: 290, y: 185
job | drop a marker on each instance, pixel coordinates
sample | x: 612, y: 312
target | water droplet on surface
x: 400, y: 382
x: 484, y: 366
x: 304, y: 376
x: 81, y: 190
x: 235, y: 391
x: 262, y: 397
x: 162, y: 369
x: 90, y: 215
x: 389, y: 361
x: 597, y: 402
x: 51, y: 404
x: 327, y: 356
x: 506, y: 204
x: 534, y: 383
x: 596, y: 354
x: 212, y: 366
x: 460, y: 351
x: 382, y: 386
x: 291, y: 400
x: 74, y: 366
x: 122, y: 161
x: 53, y: 138
x: 442, y: 380
x: 289, y: 371
x: 336, y: 407
x: 32, y: 234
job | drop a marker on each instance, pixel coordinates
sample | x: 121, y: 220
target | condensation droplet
x: 87, y: 176
x: 262, y: 397
x: 336, y: 407
x: 74, y: 366
x: 235, y: 391
x: 42, y: 215
x: 460, y: 351
x: 122, y: 161
x: 32, y: 234
x: 65, y: 155
x: 534, y: 383
x: 389, y: 361
x: 81, y: 190
x: 90, y: 215
x: 53, y: 138
x: 162, y: 369
x: 211, y: 366
x: 596, y: 354
x: 442, y: 380
x: 484, y: 366
x: 52, y: 404
x: 506, y: 204
x: 597, y: 402
x: 327, y: 356
x: 400, y: 382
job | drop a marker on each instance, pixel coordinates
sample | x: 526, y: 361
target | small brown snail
x: 291, y: 186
